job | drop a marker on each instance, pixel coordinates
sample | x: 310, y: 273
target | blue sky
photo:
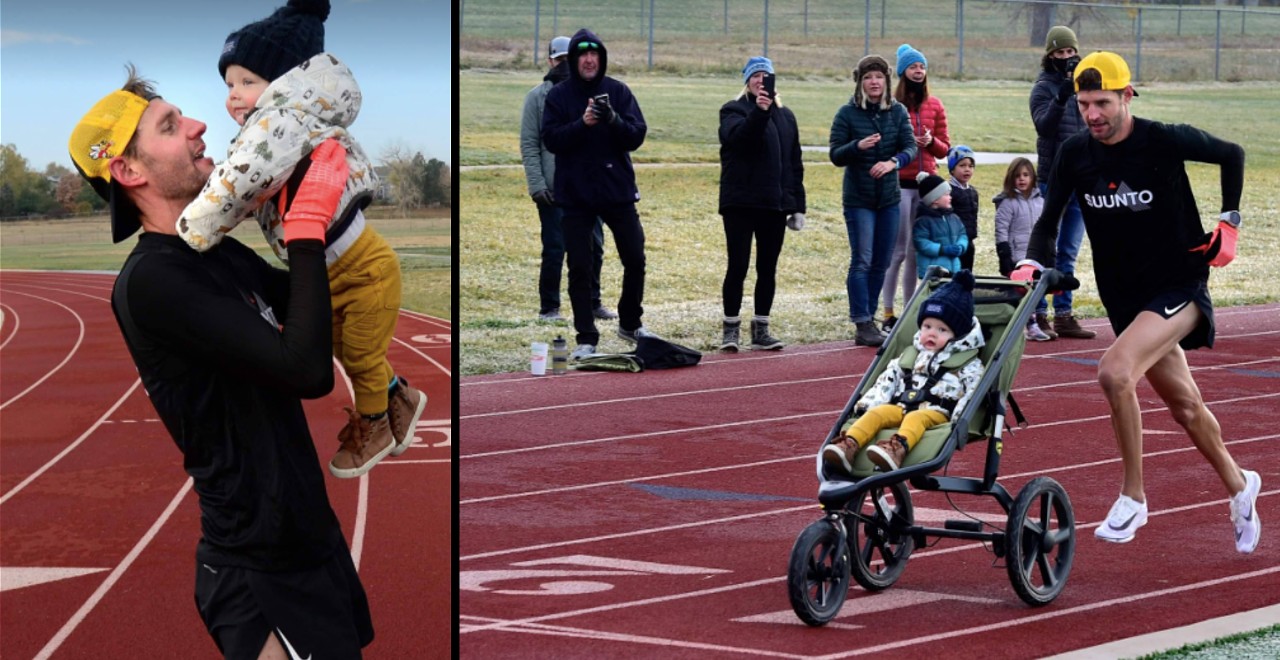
x: 58, y: 57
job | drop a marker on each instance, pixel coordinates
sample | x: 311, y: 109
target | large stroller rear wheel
x: 818, y: 573
x: 1041, y: 541
x: 880, y: 536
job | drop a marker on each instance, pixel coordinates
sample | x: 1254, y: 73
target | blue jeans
x: 872, y: 233
x: 1070, y: 236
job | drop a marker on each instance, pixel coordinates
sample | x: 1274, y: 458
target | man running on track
x: 1151, y: 259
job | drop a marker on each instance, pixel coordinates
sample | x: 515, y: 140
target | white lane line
x: 7, y: 312
x: 116, y: 574
x: 83, y: 436
x: 71, y: 353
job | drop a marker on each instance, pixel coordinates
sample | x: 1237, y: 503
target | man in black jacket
x: 227, y: 347
x: 592, y: 123
x: 1151, y: 260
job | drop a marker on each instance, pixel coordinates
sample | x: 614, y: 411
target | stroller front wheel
x: 1041, y: 541
x: 880, y: 540
x: 818, y: 572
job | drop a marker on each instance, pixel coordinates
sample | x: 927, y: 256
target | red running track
x: 652, y: 514
x: 97, y: 555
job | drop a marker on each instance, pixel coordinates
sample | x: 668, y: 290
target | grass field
x: 499, y: 245
x: 826, y: 37
x: 424, y: 244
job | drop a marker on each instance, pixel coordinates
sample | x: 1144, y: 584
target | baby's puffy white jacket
x: 314, y: 101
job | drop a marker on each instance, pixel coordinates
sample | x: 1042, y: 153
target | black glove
x: 604, y: 112
x: 1065, y: 90
x: 543, y: 197
x: 952, y: 250
x: 1005, y: 254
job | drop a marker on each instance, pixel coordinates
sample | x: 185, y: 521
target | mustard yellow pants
x: 910, y: 425
x: 364, y: 285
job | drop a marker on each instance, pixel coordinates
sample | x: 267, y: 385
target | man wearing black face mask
x: 1056, y: 117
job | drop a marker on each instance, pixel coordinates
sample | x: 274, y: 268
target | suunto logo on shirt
x: 1122, y: 198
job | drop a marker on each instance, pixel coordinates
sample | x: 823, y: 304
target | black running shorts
x: 316, y: 613
x: 1168, y: 302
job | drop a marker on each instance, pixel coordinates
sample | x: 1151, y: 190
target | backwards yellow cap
x: 102, y: 134
x: 1112, y: 68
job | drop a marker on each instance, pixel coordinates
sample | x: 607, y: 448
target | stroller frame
x: 870, y: 520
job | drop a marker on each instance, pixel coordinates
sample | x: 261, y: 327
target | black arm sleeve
x: 183, y: 305
x: 1042, y: 247
x: 1197, y: 145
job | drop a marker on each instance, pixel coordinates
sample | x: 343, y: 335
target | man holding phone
x: 592, y: 123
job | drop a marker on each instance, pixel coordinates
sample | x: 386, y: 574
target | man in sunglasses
x: 592, y: 123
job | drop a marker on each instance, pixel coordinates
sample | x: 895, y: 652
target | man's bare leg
x: 1140, y: 347
x: 1172, y: 380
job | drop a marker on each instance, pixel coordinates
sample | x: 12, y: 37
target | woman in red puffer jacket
x: 929, y: 125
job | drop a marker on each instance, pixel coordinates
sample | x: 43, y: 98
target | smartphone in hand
x: 769, y: 85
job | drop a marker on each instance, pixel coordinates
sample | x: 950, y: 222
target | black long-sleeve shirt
x: 227, y: 381
x: 1139, y: 210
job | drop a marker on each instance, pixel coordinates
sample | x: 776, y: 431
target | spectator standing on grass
x: 929, y: 128
x: 871, y: 138
x: 1056, y: 117
x: 1151, y: 260
x: 227, y: 347
x: 1018, y: 206
x: 540, y: 174
x: 761, y: 194
x: 964, y: 197
x: 592, y: 123
x: 288, y: 96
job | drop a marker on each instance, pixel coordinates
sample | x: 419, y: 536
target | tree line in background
x: 408, y: 182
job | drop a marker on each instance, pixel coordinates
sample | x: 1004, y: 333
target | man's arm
x: 1197, y: 145
x: 1042, y: 247
x: 531, y: 142
x: 629, y: 130
x: 562, y: 127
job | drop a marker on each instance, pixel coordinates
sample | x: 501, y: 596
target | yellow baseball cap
x: 1112, y: 68
x: 101, y: 135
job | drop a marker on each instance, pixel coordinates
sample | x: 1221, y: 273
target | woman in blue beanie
x: 761, y: 194
x: 928, y: 120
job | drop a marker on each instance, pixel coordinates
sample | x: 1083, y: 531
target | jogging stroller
x: 869, y: 529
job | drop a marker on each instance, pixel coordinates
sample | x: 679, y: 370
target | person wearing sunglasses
x: 592, y: 123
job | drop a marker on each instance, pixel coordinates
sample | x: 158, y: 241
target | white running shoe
x: 1122, y: 523
x: 1245, y: 515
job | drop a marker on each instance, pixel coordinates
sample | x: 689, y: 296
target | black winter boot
x: 867, y: 334
x: 729, y: 342
x: 760, y: 339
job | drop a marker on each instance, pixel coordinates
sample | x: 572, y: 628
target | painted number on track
x: 563, y: 575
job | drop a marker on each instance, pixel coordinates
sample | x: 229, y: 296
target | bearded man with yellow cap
x: 1151, y: 259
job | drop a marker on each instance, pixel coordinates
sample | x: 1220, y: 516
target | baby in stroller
x: 923, y: 391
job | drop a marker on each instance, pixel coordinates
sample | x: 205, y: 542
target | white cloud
x: 18, y: 37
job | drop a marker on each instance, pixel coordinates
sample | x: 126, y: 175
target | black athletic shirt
x: 1139, y: 209
x: 228, y: 383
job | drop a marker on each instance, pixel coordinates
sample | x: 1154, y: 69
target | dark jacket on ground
x: 228, y: 382
x: 593, y: 163
x: 1054, y: 121
x: 760, y: 165
x: 852, y: 123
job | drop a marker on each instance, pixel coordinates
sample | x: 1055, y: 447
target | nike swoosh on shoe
x: 1125, y: 525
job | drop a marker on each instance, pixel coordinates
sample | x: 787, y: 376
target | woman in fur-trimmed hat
x: 871, y: 138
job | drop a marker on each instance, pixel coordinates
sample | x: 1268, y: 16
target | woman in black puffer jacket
x: 761, y: 194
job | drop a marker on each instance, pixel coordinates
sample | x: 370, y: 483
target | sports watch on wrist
x: 1231, y: 217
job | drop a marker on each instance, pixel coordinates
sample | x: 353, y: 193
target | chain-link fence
x: 987, y: 39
